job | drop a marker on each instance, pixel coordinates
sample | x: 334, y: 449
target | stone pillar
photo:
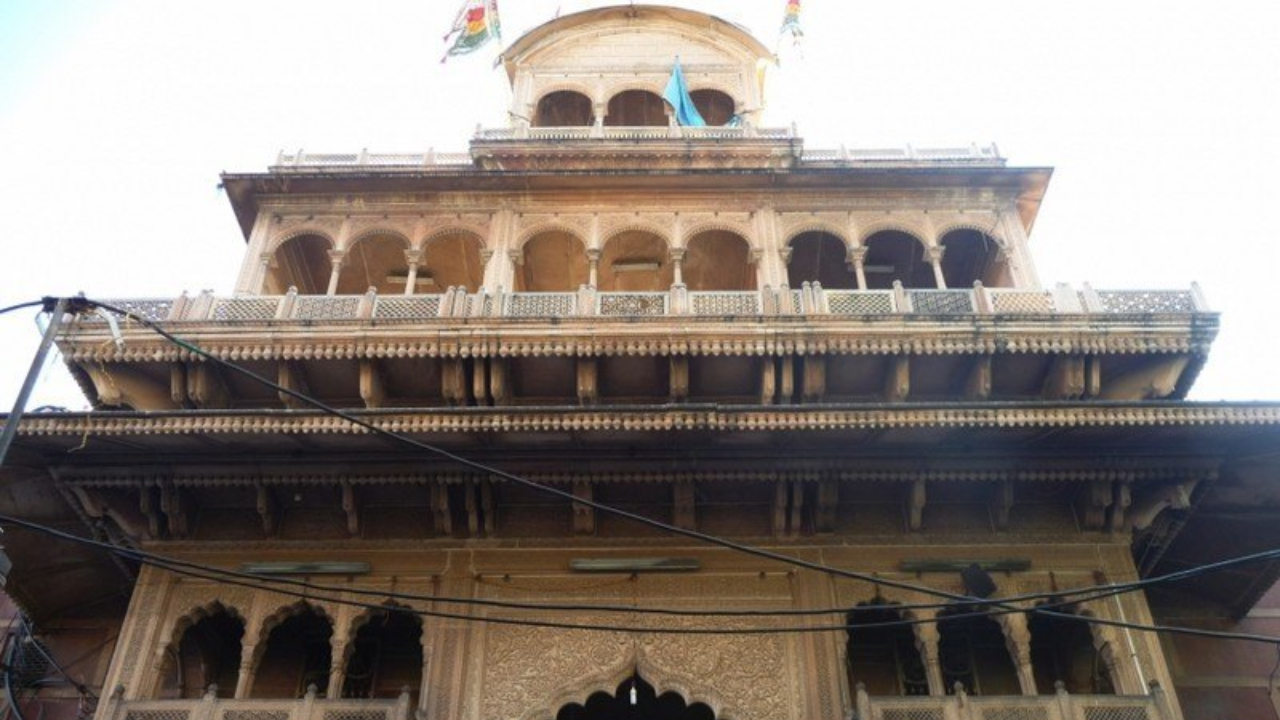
x: 413, y: 258
x: 593, y: 257
x: 266, y: 261
x: 248, y: 666
x: 338, y: 258
x: 1018, y: 639
x: 600, y: 110
x: 858, y: 261
x: 927, y: 644
x: 935, y: 259
x: 677, y: 264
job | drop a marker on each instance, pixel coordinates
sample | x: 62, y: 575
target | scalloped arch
x: 608, y: 679
x: 650, y: 228
x: 198, y: 611
x: 524, y: 237
x: 468, y: 231
x: 795, y: 231
x: 721, y: 225
x: 377, y: 231
x: 992, y: 232
x: 917, y: 233
x: 288, y: 234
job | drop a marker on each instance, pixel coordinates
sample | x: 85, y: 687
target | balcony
x: 1061, y: 706
x: 309, y: 707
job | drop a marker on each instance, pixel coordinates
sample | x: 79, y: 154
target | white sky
x: 1161, y: 119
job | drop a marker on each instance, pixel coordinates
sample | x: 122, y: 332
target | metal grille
x: 245, y: 309
x: 1015, y: 713
x: 911, y: 714
x: 725, y: 303
x: 324, y: 307
x: 541, y: 304
x: 1114, y: 712
x: 153, y: 310
x: 1016, y: 302
x: 173, y: 714
x: 942, y: 302
x: 1146, y: 301
x: 797, y: 301
x: 254, y: 715
x: 353, y: 714
x: 632, y: 304
x: 408, y: 307
x: 860, y: 302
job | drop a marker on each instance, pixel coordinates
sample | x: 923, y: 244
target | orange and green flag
x: 791, y: 21
x: 477, y: 23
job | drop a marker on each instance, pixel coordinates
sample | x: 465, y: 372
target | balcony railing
x: 1060, y: 706
x: 810, y: 301
x: 309, y: 707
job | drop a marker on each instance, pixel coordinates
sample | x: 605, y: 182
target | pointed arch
x: 294, y: 651
x: 384, y: 654
x: 1079, y: 654
x: 202, y: 649
x: 607, y: 679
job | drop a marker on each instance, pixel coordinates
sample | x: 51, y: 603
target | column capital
x: 338, y: 258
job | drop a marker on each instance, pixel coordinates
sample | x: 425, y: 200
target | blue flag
x: 677, y: 95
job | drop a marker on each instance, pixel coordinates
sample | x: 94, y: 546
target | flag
x: 791, y: 22
x: 477, y: 23
x: 677, y: 96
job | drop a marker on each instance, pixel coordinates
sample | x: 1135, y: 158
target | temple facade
x: 846, y: 356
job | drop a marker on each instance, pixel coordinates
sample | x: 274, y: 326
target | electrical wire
x: 21, y: 306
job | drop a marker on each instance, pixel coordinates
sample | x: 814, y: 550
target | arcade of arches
x: 629, y: 108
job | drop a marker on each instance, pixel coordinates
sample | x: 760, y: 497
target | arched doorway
x: 973, y: 652
x: 635, y: 699
x: 206, y: 652
x: 451, y: 260
x: 636, y: 108
x: 386, y: 656
x: 715, y: 107
x: 820, y: 257
x: 1064, y: 649
x: 301, y: 262
x: 896, y: 255
x: 972, y: 255
x: 719, y: 260
x: 554, y: 261
x: 564, y: 108
x: 375, y: 261
x: 885, y: 659
x: 297, y: 655
x: 635, y: 261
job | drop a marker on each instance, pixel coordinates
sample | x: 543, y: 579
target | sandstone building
x: 845, y: 356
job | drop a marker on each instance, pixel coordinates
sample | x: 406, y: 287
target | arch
x: 300, y: 260
x: 634, y: 697
x: 970, y: 255
x: 294, y: 651
x: 886, y: 660
x: 715, y: 106
x: 608, y: 679
x: 564, y: 108
x: 376, y: 259
x: 896, y: 255
x: 384, y: 655
x: 288, y: 234
x: 822, y: 257
x: 1073, y: 652
x: 203, y: 649
x: 635, y: 260
x: 552, y: 260
x: 973, y: 651
x: 636, y: 108
x: 451, y: 258
x: 719, y: 260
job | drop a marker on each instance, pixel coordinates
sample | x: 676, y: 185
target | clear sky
x: 1161, y: 119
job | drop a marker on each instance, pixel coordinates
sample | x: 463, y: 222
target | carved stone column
x: 927, y: 645
x: 266, y: 262
x: 413, y: 258
x: 338, y: 258
x: 935, y: 259
x: 677, y: 265
x: 593, y: 258
x: 858, y: 261
x: 248, y: 666
x: 1017, y: 638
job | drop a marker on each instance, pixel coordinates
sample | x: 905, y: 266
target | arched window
x: 206, y: 653
x: 885, y: 660
x: 297, y: 655
x: 554, y: 261
x: 1063, y: 649
x: 564, y: 108
x: 821, y: 257
x: 715, y: 107
x: 635, y: 261
x: 635, y: 699
x: 302, y: 262
x: 895, y: 255
x: 719, y: 260
x: 386, y: 656
x: 636, y: 108
x: 375, y: 261
x: 972, y: 651
x: 451, y: 260
x: 971, y: 255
